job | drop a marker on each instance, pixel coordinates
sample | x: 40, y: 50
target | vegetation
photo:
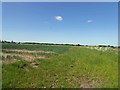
x: 51, y: 66
x: 58, y: 49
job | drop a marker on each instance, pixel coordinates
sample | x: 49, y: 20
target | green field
x: 40, y: 66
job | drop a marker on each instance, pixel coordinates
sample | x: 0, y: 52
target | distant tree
x: 3, y: 41
x: 67, y: 44
x: 12, y: 42
x: 112, y: 46
x: 18, y: 42
x: 78, y: 45
x: 102, y: 45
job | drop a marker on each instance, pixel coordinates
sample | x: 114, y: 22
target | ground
x: 40, y: 66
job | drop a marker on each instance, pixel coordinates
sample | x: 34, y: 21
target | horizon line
x: 56, y: 43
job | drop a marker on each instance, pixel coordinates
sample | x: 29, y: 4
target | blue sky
x: 84, y: 22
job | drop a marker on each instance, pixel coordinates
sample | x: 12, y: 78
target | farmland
x: 59, y: 66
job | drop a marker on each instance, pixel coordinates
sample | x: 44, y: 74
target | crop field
x: 58, y: 66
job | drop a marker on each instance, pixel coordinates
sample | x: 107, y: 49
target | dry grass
x: 24, y: 56
x: 28, y: 51
x: 28, y: 55
x: 86, y: 83
x: 34, y: 64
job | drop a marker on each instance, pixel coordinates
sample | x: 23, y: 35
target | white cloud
x: 89, y: 21
x: 58, y: 18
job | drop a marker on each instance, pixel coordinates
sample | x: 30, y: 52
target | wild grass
x: 73, y: 67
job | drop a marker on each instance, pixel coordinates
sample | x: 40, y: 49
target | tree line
x: 13, y: 42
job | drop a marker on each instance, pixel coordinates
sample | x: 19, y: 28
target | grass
x: 71, y: 67
x: 57, y: 49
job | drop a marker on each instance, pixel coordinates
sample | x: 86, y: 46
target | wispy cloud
x: 89, y: 21
x: 59, y: 18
